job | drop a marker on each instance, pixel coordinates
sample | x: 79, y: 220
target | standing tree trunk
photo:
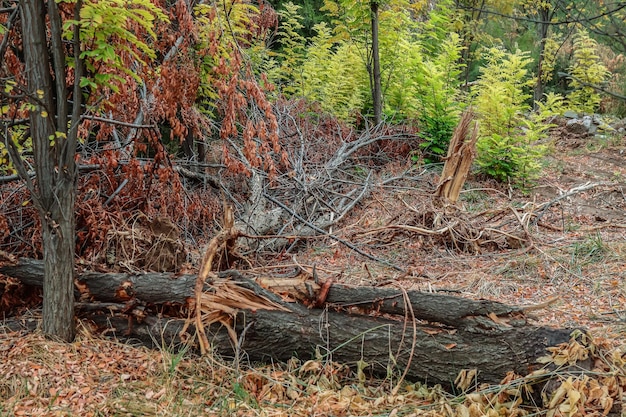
x: 377, y: 95
x: 54, y: 150
x: 471, y: 12
x: 545, y: 16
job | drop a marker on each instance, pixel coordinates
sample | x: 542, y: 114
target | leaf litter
x: 563, y: 241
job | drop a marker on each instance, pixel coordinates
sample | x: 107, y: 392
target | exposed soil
x: 574, y: 248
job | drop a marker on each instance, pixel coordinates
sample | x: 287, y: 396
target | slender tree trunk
x: 544, y: 15
x: 377, y: 96
x: 54, y: 166
x: 471, y: 12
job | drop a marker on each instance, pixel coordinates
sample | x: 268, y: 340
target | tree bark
x: 432, y: 354
x: 54, y: 165
x: 161, y: 288
x: 543, y: 27
x: 377, y: 95
x: 443, y: 335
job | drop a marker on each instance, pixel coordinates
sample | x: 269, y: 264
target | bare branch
x: 335, y: 238
x: 18, y: 163
x: 620, y: 6
x: 5, y: 40
x: 586, y: 84
x: 119, y: 122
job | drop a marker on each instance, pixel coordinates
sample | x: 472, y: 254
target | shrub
x: 509, y: 147
x: 586, y: 70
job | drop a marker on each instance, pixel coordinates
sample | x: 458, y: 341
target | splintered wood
x: 461, y: 154
x: 222, y: 302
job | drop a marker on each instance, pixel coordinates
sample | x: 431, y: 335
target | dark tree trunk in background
x: 377, y: 94
x: 544, y: 15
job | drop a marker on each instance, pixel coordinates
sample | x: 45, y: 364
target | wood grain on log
x: 460, y: 333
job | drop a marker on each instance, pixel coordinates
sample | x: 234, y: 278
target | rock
x: 570, y: 114
x: 576, y: 127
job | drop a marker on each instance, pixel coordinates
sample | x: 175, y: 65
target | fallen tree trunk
x: 436, y: 357
x: 159, y: 288
x: 460, y: 333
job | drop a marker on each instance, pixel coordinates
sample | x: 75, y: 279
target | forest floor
x: 571, y: 250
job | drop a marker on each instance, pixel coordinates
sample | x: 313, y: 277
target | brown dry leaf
x: 462, y: 411
x: 498, y: 320
x: 607, y: 405
x: 466, y: 378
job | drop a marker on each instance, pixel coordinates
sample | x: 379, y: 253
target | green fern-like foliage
x: 587, y: 69
x: 292, y: 53
x: 420, y: 65
x: 314, y: 69
x: 552, y: 44
x: 332, y: 75
x: 398, y: 27
x: 439, y: 97
x: 508, y: 147
x: 424, y: 84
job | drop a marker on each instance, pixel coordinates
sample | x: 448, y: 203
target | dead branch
x: 543, y: 208
x: 335, y: 238
x: 318, y: 194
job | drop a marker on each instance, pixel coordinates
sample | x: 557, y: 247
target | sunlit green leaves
x: 587, y: 70
x: 508, y: 148
x: 109, y: 35
x: 9, y: 85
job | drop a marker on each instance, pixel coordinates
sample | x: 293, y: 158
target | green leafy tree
x: 545, y: 28
x: 508, y: 146
x: 586, y: 72
x: 471, y: 20
x: 369, y: 26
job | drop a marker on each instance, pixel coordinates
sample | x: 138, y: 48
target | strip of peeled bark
x: 461, y: 154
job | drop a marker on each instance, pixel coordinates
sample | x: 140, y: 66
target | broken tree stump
x: 444, y: 335
x: 461, y: 154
